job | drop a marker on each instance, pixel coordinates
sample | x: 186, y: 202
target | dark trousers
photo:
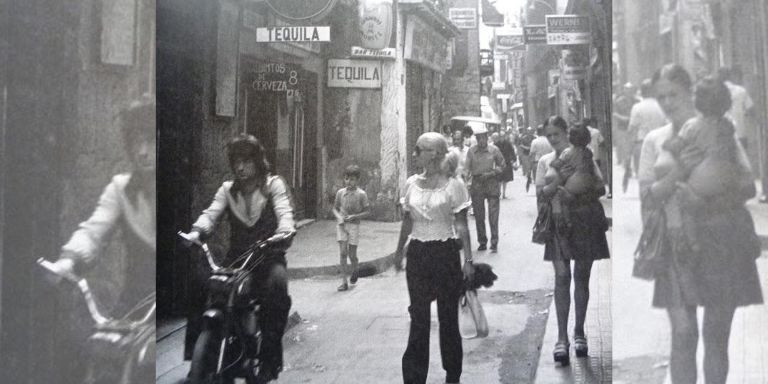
x: 433, y: 272
x: 478, y: 206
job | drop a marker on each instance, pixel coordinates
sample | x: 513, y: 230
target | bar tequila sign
x: 293, y: 34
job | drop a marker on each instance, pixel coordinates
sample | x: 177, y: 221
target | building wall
x: 461, y: 95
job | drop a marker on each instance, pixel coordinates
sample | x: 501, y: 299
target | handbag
x: 543, y: 228
x: 472, y: 321
x: 651, y: 246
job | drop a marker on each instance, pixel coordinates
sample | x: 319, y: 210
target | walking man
x: 539, y: 147
x: 644, y: 117
x: 484, y: 165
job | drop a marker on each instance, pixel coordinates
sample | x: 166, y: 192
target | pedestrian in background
x: 435, y: 213
x: 539, y: 147
x: 718, y: 272
x: 583, y: 242
x: 645, y: 116
x: 526, y: 138
x: 622, y: 108
x: 596, y: 140
x: 742, y: 107
x: 351, y: 205
x: 484, y: 164
x: 457, y: 147
x: 502, y: 142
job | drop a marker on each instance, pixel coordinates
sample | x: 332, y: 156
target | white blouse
x: 433, y: 210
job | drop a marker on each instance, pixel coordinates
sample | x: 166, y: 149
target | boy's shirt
x: 351, y: 202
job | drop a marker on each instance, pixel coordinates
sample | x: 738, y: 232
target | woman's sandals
x: 560, y: 353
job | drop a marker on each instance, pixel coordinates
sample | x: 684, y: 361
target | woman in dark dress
x: 720, y: 275
x: 583, y: 241
x: 510, y: 157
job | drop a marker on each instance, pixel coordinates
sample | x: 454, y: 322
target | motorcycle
x: 119, y: 351
x: 230, y: 342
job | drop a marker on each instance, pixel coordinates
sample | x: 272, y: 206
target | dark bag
x: 543, y: 229
x: 651, y: 247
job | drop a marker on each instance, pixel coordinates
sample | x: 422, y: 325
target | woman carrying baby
x: 571, y: 184
x: 696, y: 173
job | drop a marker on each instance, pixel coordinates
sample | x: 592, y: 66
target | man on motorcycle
x: 127, y: 203
x: 258, y: 205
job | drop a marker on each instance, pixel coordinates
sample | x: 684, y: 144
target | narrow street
x: 641, y: 333
x: 359, y: 336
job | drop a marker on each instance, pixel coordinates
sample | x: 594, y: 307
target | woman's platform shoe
x: 560, y: 353
x: 580, y: 346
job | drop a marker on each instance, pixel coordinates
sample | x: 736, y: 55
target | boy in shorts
x: 350, y: 206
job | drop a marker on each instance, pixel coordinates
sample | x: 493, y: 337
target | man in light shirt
x: 485, y: 163
x: 742, y: 106
x: 645, y: 116
x: 539, y: 147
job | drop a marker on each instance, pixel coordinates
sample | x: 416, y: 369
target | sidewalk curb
x: 366, y: 268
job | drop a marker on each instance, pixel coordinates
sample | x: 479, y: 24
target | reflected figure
x: 127, y: 204
x: 695, y: 174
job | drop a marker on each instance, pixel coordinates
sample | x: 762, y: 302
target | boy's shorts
x: 349, y: 232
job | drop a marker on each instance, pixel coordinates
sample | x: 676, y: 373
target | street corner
x: 648, y: 369
x: 517, y: 321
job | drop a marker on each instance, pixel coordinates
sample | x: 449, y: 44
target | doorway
x: 285, y: 122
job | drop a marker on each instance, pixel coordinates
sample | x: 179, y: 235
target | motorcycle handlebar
x: 274, y: 239
x: 82, y: 285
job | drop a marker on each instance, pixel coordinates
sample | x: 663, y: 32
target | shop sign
x: 509, y: 39
x: 568, y: 30
x: 301, y: 9
x: 499, y: 86
x: 375, y: 25
x: 463, y: 18
x: 275, y: 77
x: 292, y: 34
x: 386, y: 53
x: 425, y: 46
x: 535, y: 34
x: 574, y: 64
x: 343, y: 73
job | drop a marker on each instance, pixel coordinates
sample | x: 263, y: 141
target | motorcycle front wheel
x: 204, y: 359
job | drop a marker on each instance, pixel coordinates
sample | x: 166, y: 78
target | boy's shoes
x: 482, y: 247
x: 494, y: 249
x: 353, y: 278
x: 343, y: 287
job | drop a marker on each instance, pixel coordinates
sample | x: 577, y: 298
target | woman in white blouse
x: 435, y: 223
